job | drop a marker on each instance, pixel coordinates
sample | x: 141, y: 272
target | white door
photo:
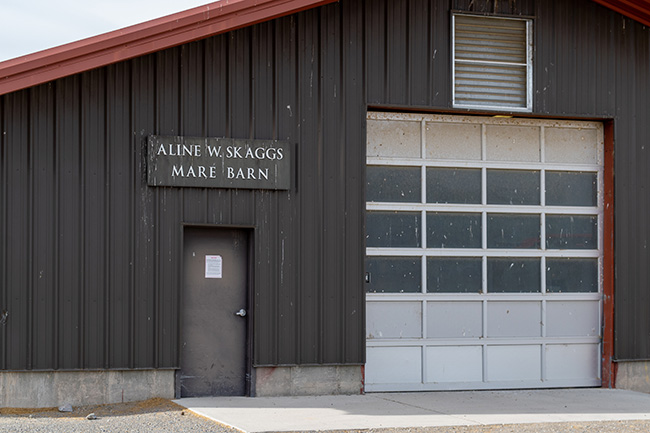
x: 484, y: 252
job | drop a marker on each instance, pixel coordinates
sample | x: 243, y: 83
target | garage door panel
x: 514, y: 319
x: 455, y: 364
x: 484, y: 252
x: 573, y: 319
x: 393, y: 320
x: 572, y: 361
x: 508, y: 363
x: 453, y: 141
x: 571, y: 145
x: 393, y: 365
x: 513, y: 143
x: 454, y: 319
x: 393, y: 138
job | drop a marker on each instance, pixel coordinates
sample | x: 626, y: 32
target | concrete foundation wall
x: 317, y: 380
x: 634, y: 376
x: 53, y: 389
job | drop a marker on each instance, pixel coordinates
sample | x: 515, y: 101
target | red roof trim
x: 177, y: 29
x: 638, y: 10
x: 151, y: 36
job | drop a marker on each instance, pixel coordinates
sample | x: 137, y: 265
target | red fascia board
x: 638, y: 10
x: 140, y: 39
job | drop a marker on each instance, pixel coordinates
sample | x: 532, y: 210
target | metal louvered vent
x: 492, y: 63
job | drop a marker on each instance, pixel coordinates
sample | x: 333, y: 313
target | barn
x: 300, y: 197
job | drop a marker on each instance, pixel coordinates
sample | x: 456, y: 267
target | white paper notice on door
x: 213, y: 267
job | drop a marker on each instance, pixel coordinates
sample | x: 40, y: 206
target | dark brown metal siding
x: 409, y: 48
x: 90, y: 255
x: 594, y: 63
x: 597, y: 63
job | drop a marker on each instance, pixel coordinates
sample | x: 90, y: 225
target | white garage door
x: 484, y: 252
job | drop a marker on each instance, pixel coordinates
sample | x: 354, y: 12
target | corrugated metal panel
x: 591, y: 64
x: 408, y: 48
x: 17, y: 240
x: 309, y: 190
x: 146, y: 338
x: 168, y: 214
x: 510, y: 7
x: 92, y: 254
x: 4, y: 280
x: 89, y: 255
x: 333, y: 228
x: 631, y: 194
x: 354, y: 158
x: 68, y: 191
x: 44, y: 235
x: 599, y: 65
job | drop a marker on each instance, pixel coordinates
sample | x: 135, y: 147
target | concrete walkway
x: 421, y: 409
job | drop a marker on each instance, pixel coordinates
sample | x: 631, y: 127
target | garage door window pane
x: 515, y: 187
x: 513, y: 231
x: 393, y: 184
x: 453, y: 185
x: 565, y: 188
x: 454, y: 275
x: 394, y: 274
x: 453, y: 230
x: 571, y: 232
x: 571, y: 275
x: 513, y: 275
x: 393, y: 229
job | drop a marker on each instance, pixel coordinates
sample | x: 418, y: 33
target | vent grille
x: 491, y: 62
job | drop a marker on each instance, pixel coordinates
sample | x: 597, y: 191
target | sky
x: 28, y: 26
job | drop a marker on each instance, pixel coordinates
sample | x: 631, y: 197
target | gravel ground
x: 161, y: 416
x: 155, y: 415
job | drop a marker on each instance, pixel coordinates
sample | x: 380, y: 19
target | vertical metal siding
x: 168, y: 213
x: 354, y: 117
x: 407, y: 53
x: 439, y: 56
x: 397, y: 61
x: 44, y: 231
x: 332, y: 231
x: 308, y: 187
x: 408, y: 48
x: 598, y: 65
x: 18, y: 292
x: 93, y: 270
x: 4, y: 279
x: 419, y: 29
x: 281, y: 44
x: 631, y: 195
x: 93, y: 275
x: 375, y: 43
x: 593, y: 66
x: 510, y: 7
x: 90, y: 255
x: 120, y: 263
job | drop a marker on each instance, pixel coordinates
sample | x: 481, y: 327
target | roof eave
x: 151, y: 36
x: 638, y: 10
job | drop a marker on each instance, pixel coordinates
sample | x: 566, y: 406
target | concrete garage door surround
x: 484, y: 252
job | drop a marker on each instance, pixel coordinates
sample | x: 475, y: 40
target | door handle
x: 241, y: 313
